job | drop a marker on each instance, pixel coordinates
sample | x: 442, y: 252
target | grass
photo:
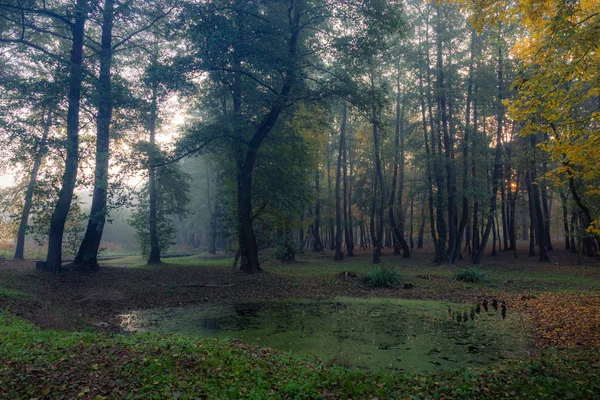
x: 472, y: 275
x: 45, y: 363
x: 383, y: 277
x: 15, y: 293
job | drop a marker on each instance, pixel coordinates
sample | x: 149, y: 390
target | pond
x: 374, y: 334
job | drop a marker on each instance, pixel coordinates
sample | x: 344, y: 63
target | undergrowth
x: 383, y: 277
x: 472, y: 275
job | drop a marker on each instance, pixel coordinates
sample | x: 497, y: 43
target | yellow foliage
x: 558, y: 78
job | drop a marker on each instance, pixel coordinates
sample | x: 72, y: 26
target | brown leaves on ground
x: 563, y: 320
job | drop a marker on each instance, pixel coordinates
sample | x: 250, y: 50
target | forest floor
x: 43, y: 357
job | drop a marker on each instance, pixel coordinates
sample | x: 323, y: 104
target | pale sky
x: 175, y: 119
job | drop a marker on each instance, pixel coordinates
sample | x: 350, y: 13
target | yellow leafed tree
x: 557, y: 85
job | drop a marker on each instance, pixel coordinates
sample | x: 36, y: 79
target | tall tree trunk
x: 545, y: 207
x: 540, y: 226
x: 339, y: 255
x: 421, y: 228
x: 154, y: 255
x: 347, y: 227
x: 87, y: 256
x: 411, y: 218
x: 532, y: 215
x: 448, y: 146
x: 37, y: 162
x: 247, y: 239
x: 350, y: 221
x: 378, y: 178
x: 317, y: 244
x: 435, y: 128
x: 475, y: 228
x: 330, y: 203
x: 214, y: 213
x: 563, y: 197
x: 573, y: 232
x: 497, y: 161
x: 398, y: 229
x: 428, y: 164
x: 504, y: 176
x: 585, y: 220
x: 465, y: 188
x: 69, y: 178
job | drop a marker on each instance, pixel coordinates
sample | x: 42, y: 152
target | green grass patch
x: 15, y: 293
x: 43, y: 363
x: 472, y: 275
x: 383, y: 277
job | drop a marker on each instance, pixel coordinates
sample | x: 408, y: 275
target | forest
x: 299, y: 199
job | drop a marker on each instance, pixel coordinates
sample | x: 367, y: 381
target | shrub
x: 383, y: 277
x: 471, y: 275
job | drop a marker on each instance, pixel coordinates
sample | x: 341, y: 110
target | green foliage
x: 286, y: 248
x: 383, y: 277
x: 172, y: 199
x: 472, y: 275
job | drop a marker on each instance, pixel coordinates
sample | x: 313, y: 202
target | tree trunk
x: 154, y: 255
x: 339, y: 255
x: 428, y: 165
x: 398, y: 230
x: 545, y: 207
x: 350, y: 220
x: 497, y: 162
x: 87, y: 256
x: 47, y: 124
x: 317, y: 243
x: 214, y: 220
x: 69, y: 178
x: 448, y: 147
x: 564, y: 197
x: 344, y: 149
x: 573, y: 232
x: 378, y: 179
x: 465, y: 188
x: 330, y: 197
x: 421, y: 228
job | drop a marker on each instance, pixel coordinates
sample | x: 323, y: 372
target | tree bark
x: 399, y: 242
x: 465, y: 188
x: 428, y: 164
x: 87, y: 256
x: 317, y: 243
x: 247, y: 239
x: 339, y: 255
x: 155, y: 251
x: 497, y: 162
x: 41, y: 151
x: 347, y: 226
x: 448, y: 148
x: 378, y: 178
x: 69, y: 178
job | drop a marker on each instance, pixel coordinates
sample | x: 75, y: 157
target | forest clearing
x: 299, y: 199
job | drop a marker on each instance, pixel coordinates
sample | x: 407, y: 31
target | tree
x: 172, y: 190
x: 76, y: 25
x: 264, y: 53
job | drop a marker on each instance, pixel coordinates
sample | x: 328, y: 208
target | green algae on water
x: 374, y: 334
